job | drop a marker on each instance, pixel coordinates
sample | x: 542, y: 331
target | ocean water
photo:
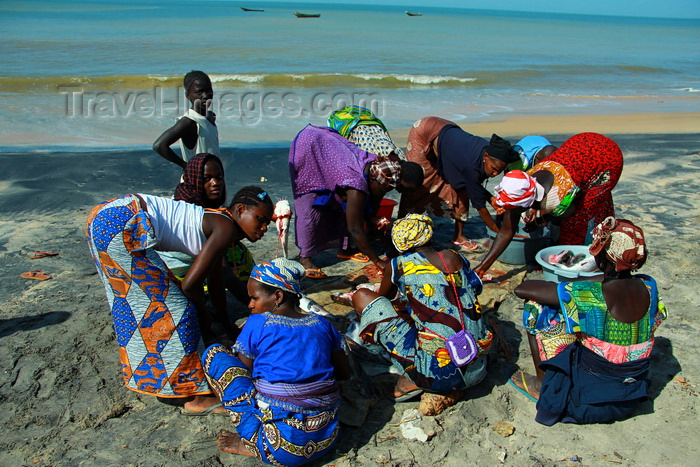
x: 95, y: 74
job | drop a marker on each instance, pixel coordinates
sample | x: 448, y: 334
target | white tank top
x: 177, y: 225
x: 207, y: 137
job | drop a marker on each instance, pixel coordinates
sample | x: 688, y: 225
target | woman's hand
x: 381, y: 224
x: 381, y: 264
x: 529, y: 216
x: 530, y: 227
x: 499, y: 209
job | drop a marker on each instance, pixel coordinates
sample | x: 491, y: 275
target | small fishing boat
x: 307, y: 15
x: 250, y: 9
x: 414, y: 13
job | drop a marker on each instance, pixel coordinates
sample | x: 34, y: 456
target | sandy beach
x: 64, y: 403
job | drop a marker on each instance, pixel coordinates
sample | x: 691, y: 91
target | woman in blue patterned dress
x: 438, y: 300
x: 279, y: 381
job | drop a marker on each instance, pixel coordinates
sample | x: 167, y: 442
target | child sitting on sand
x: 279, y: 379
x: 196, y: 129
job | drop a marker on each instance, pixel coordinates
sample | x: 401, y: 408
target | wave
x: 328, y: 79
x: 303, y: 80
x: 511, y: 80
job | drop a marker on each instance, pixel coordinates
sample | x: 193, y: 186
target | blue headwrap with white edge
x: 281, y: 273
x: 528, y: 147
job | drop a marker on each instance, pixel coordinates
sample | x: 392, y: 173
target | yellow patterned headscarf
x: 412, y: 231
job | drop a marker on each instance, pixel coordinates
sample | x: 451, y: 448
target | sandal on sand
x: 203, y: 413
x: 315, y: 273
x: 406, y: 396
x: 38, y: 275
x: 42, y: 254
x: 524, y: 390
x: 467, y: 245
x: 359, y: 257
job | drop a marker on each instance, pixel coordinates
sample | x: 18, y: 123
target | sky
x: 688, y: 9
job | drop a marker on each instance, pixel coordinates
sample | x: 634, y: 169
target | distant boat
x: 250, y: 9
x: 414, y: 13
x: 307, y: 15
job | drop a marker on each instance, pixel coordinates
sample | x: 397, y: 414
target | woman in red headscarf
x: 591, y: 340
x: 203, y: 182
x: 573, y: 187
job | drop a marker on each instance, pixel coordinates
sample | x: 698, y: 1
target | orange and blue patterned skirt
x: 156, y: 325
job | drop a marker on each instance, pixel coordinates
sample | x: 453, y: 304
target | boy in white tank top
x: 196, y: 129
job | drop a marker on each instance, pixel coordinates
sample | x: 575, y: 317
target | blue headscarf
x: 281, y: 273
x: 527, y: 148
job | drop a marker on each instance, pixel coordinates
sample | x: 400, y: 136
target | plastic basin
x: 524, y: 246
x: 553, y: 272
x: 386, y: 208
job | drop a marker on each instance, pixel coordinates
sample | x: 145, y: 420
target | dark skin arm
x: 387, y: 288
x: 185, y: 129
x: 543, y: 292
x: 488, y: 220
x: 502, y: 240
x: 217, y: 293
x: 234, y: 285
x: 355, y: 217
x: 219, y: 231
x: 340, y: 363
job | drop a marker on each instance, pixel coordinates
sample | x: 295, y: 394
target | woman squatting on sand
x: 280, y: 379
x: 162, y: 323
x: 573, y: 186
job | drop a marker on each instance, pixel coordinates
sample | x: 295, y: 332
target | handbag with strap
x: 461, y: 346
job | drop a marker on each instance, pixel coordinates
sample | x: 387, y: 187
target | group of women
x: 336, y: 183
x: 278, y: 377
x: 591, y: 340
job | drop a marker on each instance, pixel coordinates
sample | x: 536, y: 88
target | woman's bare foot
x: 202, y: 403
x: 231, y: 442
